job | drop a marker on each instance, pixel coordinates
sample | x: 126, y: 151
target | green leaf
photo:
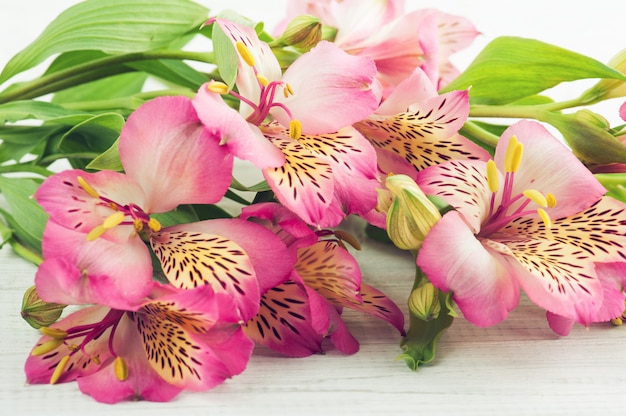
x: 18, y: 141
x: 26, y: 217
x: 94, y: 135
x: 176, y: 72
x: 511, y: 68
x: 112, y: 26
x: 108, y: 160
x: 31, y: 109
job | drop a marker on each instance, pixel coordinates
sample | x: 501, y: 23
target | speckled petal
x: 426, y: 134
x: 332, y: 271
x: 558, y: 277
x: 192, y: 259
x: 377, y: 304
x: 284, y: 322
x: 304, y: 183
x: 463, y: 184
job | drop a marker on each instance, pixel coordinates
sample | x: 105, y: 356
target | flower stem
x: 93, y: 70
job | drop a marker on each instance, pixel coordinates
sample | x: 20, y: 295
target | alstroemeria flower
x: 296, y: 127
x: 298, y: 314
x: 169, y: 159
x: 396, y: 40
x: 534, y: 218
x: 177, y: 339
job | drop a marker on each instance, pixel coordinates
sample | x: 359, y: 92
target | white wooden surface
x: 517, y: 367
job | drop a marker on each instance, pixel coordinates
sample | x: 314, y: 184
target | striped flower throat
x: 512, y: 206
x: 129, y: 214
x: 268, y: 90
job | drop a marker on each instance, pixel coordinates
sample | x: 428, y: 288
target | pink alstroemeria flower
x: 396, y: 40
x: 296, y: 126
x: 534, y: 218
x: 175, y: 340
x: 169, y: 159
x: 298, y: 314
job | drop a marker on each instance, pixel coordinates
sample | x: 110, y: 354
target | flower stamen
x: 87, y: 188
x: 58, y: 371
x: 245, y: 54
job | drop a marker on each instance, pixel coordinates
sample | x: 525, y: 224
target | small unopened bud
x: 37, y: 312
x: 411, y: 214
x: 303, y: 32
x: 424, y: 302
x: 609, y: 87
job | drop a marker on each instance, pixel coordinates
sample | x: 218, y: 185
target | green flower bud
x: 424, y: 302
x: 303, y: 32
x: 37, y: 312
x: 411, y: 215
x: 608, y: 87
x: 586, y: 135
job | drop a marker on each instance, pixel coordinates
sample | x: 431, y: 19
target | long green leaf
x: 31, y: 109
x: 26, y: 217
x: 112, y: 26
x: 511, y: 68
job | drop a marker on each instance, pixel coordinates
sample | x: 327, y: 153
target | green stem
x: 93, y: 70
x: 505, y: 111
x: 475, y: 131
x: 38, y: 170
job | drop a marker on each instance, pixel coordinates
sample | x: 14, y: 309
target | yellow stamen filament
x: 245, y: 54
x: 58, y: 371
x: 262, y: 80
x: 492, y: 176
x: 537, y: 197
x: 87, y: 188
x: 96, y: 232
x: 121, y: 369
x: 295, y: 129
x: 551, y: 200
x: 218, y: 87
x: 46, y: 347
x: 154, y: 225
x: 287, y: 90
x: 113, y: 220
x: 545, y: 218
x: 53, y: 332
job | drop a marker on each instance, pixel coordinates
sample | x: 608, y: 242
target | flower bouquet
x: 126, y: 173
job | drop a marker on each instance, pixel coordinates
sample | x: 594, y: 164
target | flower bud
x: 608, y: 87
x: 411, y: 215
x: 303, y: 32
x: 424, y: 302
x: 584, y: 132
x: 37, y: 312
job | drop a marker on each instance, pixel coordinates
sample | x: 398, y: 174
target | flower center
x: 138, y: 217
x: 268, y: 90
x: 513, y: 206
x: 77, y: 338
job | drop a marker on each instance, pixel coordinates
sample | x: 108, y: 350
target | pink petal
x: 415, y: 88
x: 622, y: 111
x: 71, y: 206
x: 550, y: 167
x: 554, y: 277
x: 77, y: 271
x: 284, y: 322
x: 243, y: 139
x: 462, y: 184
x: 613, y: 279
x: 376, y: 303
x: 559, y: 324
x: 455, y: 33
x: 271, y: 259
x: 322, y: 91
x: 357, y: 20
x: 479, y: 277
x: 290, y: 228
x: 304, y: 184
x: 164, y: 141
